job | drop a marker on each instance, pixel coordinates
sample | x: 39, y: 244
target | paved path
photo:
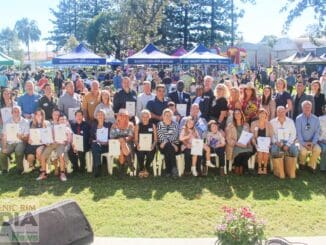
x: 320, y: 240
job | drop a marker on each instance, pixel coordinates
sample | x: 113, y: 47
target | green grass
x: 185, y: 207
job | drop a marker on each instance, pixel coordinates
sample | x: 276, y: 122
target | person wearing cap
x: 91, y: 100
x: 181, y: 97
x: 17, y: 145
x: 99, y: 137
x: 250, y: 104
x: 299, y: 98
x: 123, y: 130
x: 308, y: 130
x: 261, y: 128
x: 283, y: 151
x: 319, y: 98
x: 322, y: 141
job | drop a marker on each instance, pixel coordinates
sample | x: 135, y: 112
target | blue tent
x: 202, y: 55
x: 113, y: 61
x: 151, y: 55
x: 79, y: 56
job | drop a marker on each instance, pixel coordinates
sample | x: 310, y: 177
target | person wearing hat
x: 123, y: 130
x: 250, y: 104
x: 261, y: 128
x: 319, y: 98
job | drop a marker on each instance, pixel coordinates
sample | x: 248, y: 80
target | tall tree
x: 27, y: 31
x: 9, y: 44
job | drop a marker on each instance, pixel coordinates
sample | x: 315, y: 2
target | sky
x: 259, y: 20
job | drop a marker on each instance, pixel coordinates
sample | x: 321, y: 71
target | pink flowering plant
x: 240, y: 226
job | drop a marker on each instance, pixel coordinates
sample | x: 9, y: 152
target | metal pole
x: 232, y: 23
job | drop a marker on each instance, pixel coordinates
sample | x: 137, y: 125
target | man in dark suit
x: 181, y: 97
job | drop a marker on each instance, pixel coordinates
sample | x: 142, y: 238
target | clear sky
x: 259, y: 20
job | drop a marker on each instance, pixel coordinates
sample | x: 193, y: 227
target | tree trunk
x: 29, y: 58
x: 212, y: 38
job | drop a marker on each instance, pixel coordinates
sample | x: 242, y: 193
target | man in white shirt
x: 14, y: 143
x: 283, y: 151
x: 144, y: 97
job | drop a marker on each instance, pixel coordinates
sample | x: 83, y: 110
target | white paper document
x: 145, y: 142
x: 114, y: 147
x: 71, y: 113
x: 263, y: 144
x: 60, y: 133
x: 12, y: 129
x: 35, y: 136
x: 182, y: 109
x: 197, y: 146
x: 102, y: 134
x: 6, y: 114
x: 78, y: 142
x: 282, y: 134
x: 131, y: 108
x: 245, y: 137
x: 46, y: 135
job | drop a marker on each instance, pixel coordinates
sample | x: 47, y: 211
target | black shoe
x: 175, y: 172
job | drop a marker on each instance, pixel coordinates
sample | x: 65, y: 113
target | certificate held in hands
x: 145, y: 142
x: 131, y: 108
x: 114, y: 147
x: 71, y: 113
x: 6, y: 114
x: 46, y: 135
x: 78, y: 142
x: 263, y: 144
x: 182, y: 109
x: 197, y: 146
x: 245, y: 137
x: 12, y: 129
x: 60, y: 133
x: 35, y: 136
x: 102, y: 134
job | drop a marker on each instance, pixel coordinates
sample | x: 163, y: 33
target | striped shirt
x: 168, y: 133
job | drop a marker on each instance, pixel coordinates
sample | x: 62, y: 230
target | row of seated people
x: 288, y: 141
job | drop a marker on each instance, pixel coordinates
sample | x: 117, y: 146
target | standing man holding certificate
x: 145, y: 141
x: 157, y: 106
x: 80, y: 128
x: 126, y: 98
x: 181, y: 99
x: 14, y: 136
x: 91, y: 100
x: 70, y: 101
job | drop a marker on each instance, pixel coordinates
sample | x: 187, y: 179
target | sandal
x: 141, y: 174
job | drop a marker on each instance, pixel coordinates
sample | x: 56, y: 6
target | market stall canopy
x: 113, y: 61
x: 179, y: 52
x: 202, y: 55
x: 8, y: 61
x: 79, y: 56
x: 152, y: 56
x: 292, y: 59
x: 310, y: 59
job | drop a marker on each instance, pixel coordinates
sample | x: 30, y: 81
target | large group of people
x: 227, y: 120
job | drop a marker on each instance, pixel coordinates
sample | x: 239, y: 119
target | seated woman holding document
x: 187, y: 136
x: 145, y: 141
x: 168, y: 142
x: 99, y: 136
x: 262, y: 132
x: 238, y: 140
x: 123, y: 131
x: 38, y: 138
x: 62, y: 137
x: 80, y: 143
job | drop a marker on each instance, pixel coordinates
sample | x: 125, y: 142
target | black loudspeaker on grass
x: 58, y: 224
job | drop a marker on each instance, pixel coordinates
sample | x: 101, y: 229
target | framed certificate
x: 71, y: 113
x: 12, y: 129
x: 6, y: 114
x: 145, y: 142
x: 60, y: 133
x: 182, y: 109
x: 78, y: 142
x: 245, y: 137
x: 131, y: 108
x: 102, y: 134
x: 46, y: 135
x: 197, y: 146
x: 114, y: 147
x: 263, y: 144
x: 35, y: 136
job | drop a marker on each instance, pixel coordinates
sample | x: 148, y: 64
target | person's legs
x: 82, y: 160
x: 260, y: 162
x: 149, y: 159
x: 188, y: 160
x: 73, y: 157
x: 276, y: 151
x: 220, y: 152
x: 19, y: 155
x: 323, y: 157
x: 170, y: 158
x: 141, y: 160
x: 4, y: 157
x: 96, y: 152
x: 316, y: 150
x: 302, y: 155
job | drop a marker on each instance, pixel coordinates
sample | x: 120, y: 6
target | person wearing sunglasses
x: 308, y: 129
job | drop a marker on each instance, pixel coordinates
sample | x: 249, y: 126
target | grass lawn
x: 185, y: 207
